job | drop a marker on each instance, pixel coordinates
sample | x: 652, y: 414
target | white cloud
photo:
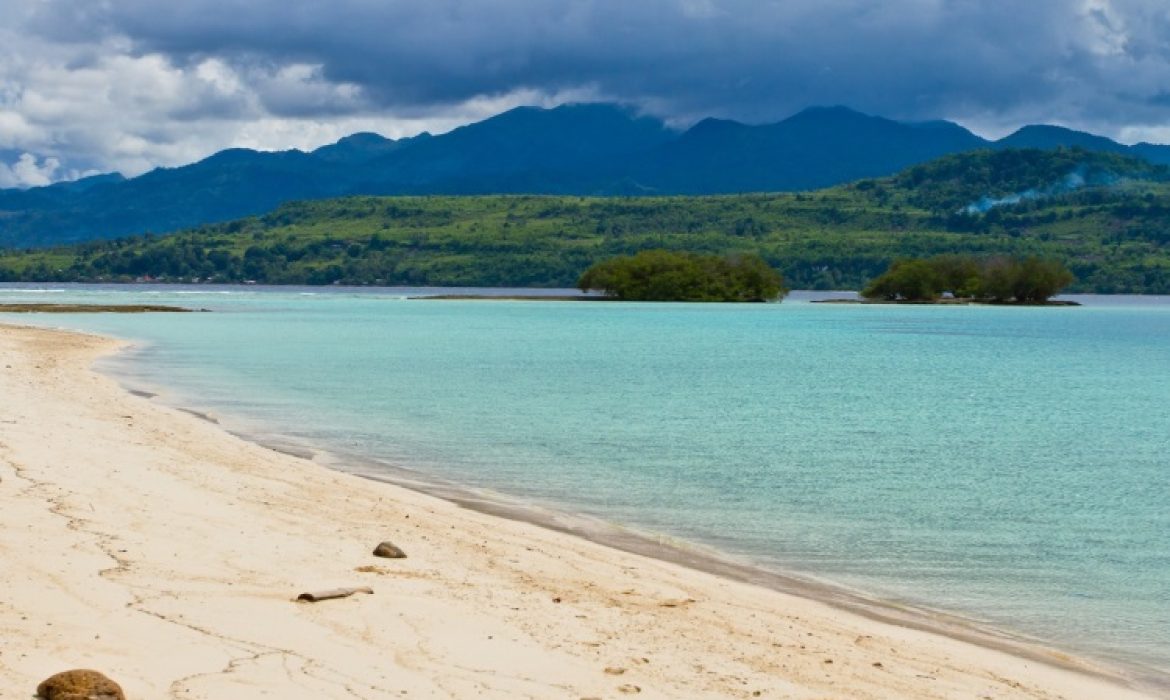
x: 28, y: 171
x: 117, y: 111
x: 1148, y: 134
x: 1106, y: 31
x: 302, y: 89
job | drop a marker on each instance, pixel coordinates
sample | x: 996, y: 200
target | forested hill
x: 593, y: 149
x: 1106, y: 216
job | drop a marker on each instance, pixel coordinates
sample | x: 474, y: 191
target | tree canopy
x: 662, y: 275
x: 1001, y: 279
x: 1029, y: 280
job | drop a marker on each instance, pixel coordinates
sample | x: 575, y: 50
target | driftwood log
x: 313, y: 597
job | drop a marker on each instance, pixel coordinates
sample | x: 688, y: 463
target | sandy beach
x: 154, y: 546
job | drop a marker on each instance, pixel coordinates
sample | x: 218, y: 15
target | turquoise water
x: 1008, y: 464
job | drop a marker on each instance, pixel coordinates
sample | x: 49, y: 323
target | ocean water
x: 1009, y: 465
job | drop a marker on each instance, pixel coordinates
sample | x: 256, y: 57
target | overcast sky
x: 127, y: 85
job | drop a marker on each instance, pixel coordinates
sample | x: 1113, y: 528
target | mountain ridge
x: 584, y: 149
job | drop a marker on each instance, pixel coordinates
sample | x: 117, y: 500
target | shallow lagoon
x: 1008, y: 464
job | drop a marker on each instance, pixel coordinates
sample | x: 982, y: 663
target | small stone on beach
x: 389, y: 550
x: 79, y: 684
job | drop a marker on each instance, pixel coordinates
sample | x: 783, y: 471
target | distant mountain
x: 361, y: 148
x: 818, y: 147
x: 1051, y: 137
x: 584, y: 149
x: 1152, y: 152
x: 86, y: 183
x: 524, y: 149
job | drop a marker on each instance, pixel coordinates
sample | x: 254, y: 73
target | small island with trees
x: 952, y: 278
x: 663, y: 275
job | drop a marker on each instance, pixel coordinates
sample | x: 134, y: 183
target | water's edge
x: 119, y: 368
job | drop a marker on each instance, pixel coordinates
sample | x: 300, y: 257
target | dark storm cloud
x: 129, y: 84
x: 752, y: 60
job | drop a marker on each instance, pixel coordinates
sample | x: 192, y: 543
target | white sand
x: 153, y: 546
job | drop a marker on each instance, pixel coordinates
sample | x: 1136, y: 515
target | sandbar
x: 89, y: 308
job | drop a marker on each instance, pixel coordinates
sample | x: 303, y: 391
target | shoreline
x: 692, y: 555
x: 709, y: 560
x: 7, y: 307
x: 734, y: 589
x: 945, y: 302
x: 511, y: 297
x: 593, y: 529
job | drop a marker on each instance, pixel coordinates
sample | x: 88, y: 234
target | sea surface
x: 1009, y: 465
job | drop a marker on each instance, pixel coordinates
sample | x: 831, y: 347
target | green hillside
x: 1106, y: 216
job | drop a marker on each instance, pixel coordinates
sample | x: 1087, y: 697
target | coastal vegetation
x: 1104, y: 216
x: 663, y: 275
x: 1028, y: 280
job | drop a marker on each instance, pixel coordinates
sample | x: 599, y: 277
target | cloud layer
x: 131, y: 84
